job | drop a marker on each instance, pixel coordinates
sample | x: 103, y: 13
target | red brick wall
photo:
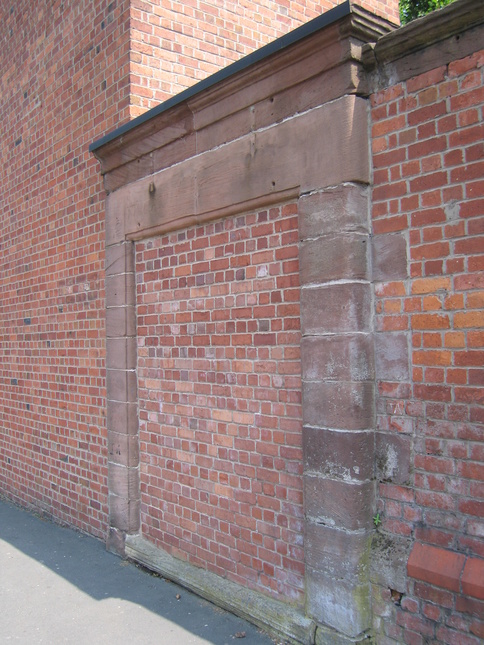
x: 220, y: 398
x: 69, y: 75
x: 428, y: 203
x: 176, y: 44
x: 64, y: 82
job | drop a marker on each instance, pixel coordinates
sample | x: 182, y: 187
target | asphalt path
x: 60, y: 586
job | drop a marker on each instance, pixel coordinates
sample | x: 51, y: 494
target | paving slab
x: 60, y: 586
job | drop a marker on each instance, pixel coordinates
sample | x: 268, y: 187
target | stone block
x: 393, y: 457
x: 121, y: 353
x: 123, y: 449
x: 155, y: 201
x: 336, y: 308
x: 388, y: 563
x: 175, y: 152
x: 392, y: 356
x: 389, y: 257
x: 342, y: 209
x: 157, y: 132
x: 124, y: 515
x: 120, y: 322
x: 288, y: 155
x: 341, y: 604
x: 115, y: 542
x: 321, y: 87
x: 121, y: 385
x: 337, y: 358
x: 227, y: 129
x: 120, y: 258
x: 339, y: 504
x: 128, y: 173
x: 339, y: 455
x: 115, y: 217
x: 120, y: 290
x: 334, y: 257
x: 339, y: 405
x: 123, y: 481
x: 337, y: 553
x: 122, y: 417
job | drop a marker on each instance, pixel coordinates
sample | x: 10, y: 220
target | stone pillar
x: 338, y: 408
x: 122, y: 414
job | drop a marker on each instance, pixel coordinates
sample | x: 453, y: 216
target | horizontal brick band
x: 447, y: 569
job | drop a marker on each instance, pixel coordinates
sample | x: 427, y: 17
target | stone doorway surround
x: 287, y: 123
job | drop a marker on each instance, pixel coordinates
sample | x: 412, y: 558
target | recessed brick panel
x: 220, y: 398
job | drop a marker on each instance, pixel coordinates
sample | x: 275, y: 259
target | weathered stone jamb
x: 122, y: 415
x: 338, y: 407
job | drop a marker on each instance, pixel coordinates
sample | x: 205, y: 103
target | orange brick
x: 469, y: 319
x: 455, y: 339
x: 430, y: 321
x: 430, y: 285
x: 390, y: 289
x: 475, y: 300
x: 432, y: 357
x: 436, y: 566
x: 454, y: 301
x: 473, y: 578
x: 431, y: 303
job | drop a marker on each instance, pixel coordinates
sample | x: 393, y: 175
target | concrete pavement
x: 60, y: 586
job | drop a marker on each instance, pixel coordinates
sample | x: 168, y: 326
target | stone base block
x: 115, y: 542
x: 280, y: 619
x: 326, y: 636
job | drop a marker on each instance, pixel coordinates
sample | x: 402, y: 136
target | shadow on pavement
x: 60, y: 586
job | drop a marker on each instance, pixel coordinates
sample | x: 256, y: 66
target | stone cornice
x: 408, y: 51
x: 328, y: 57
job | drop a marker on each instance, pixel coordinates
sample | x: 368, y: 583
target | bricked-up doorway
x: 219, y: 396
x: 239, y: 354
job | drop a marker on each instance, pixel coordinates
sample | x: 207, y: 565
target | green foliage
x: 411, y: 9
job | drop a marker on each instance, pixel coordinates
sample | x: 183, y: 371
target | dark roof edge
x: 324, y: 20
